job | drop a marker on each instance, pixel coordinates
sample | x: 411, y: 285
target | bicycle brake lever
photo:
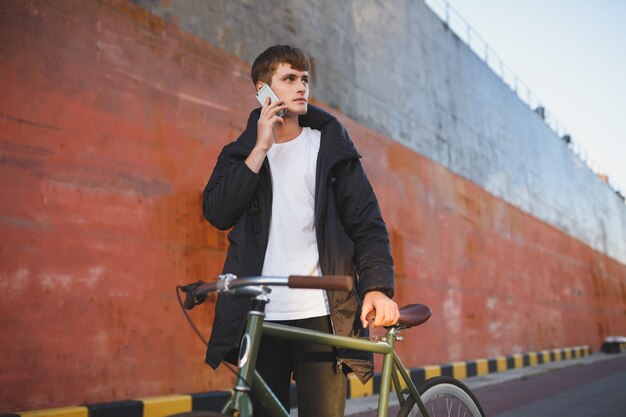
x: 191, y: 298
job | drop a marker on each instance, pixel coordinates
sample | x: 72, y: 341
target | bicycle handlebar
x: 329, y: 282
x: 197, y: 292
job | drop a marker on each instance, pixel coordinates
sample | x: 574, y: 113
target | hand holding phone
x: 266, y: 92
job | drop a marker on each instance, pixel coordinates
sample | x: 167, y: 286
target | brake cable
x: 179, y: 288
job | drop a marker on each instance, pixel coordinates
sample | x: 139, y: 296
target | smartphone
x: 265, y: 92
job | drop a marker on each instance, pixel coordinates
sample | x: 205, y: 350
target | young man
x: 299, y: 203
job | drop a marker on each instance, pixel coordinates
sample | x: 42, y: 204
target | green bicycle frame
x: 249, y: 377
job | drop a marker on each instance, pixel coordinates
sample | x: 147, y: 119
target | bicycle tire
x: 440, y: 395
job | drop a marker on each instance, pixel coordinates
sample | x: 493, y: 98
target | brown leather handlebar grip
x: 330, y: 282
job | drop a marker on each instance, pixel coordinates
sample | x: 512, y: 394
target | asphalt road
x: 586, y: 389
x: 590, y: 386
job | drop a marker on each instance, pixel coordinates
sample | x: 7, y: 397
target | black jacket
x: 351, y: 235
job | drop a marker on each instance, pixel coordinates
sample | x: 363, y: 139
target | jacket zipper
x: 322, y: 204
x: 267, y: 195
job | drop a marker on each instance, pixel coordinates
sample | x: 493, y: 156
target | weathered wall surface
x: 396, y: 68
x: 111, y: 120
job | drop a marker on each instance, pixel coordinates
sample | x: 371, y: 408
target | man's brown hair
x: 265, y: 64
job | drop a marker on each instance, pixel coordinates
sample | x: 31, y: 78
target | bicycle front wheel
x: 443, y: 396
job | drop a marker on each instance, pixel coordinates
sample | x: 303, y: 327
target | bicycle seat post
x: 388, y: 368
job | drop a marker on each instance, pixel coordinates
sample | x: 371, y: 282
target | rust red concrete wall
x: 110, y: 123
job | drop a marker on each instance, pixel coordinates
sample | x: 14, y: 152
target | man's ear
x: 259, y: 84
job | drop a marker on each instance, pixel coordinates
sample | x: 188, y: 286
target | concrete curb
x: 162, y: 406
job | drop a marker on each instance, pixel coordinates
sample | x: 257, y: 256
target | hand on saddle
x: 385, y: 310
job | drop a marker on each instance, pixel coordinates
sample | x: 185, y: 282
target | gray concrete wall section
x: 395, y: 67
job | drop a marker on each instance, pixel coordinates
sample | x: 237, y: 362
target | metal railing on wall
x: 457, y: 24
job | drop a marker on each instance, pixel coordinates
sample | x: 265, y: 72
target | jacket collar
x: 335, y: 145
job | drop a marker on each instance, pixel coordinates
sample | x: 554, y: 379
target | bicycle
x: 438, y: 396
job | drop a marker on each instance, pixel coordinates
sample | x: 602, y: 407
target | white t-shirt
x: 292, y: 246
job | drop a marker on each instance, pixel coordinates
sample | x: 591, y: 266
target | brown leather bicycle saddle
x: 413, y: 315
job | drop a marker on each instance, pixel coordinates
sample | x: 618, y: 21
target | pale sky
x: 572, y: 55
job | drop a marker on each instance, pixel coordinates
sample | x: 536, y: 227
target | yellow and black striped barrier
x: 161, y: 406
x: 478, y: 367
x: 213, y: 401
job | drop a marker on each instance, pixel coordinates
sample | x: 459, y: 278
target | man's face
x: 292, y: 87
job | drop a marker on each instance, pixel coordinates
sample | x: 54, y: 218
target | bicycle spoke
x: 443, y: 397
